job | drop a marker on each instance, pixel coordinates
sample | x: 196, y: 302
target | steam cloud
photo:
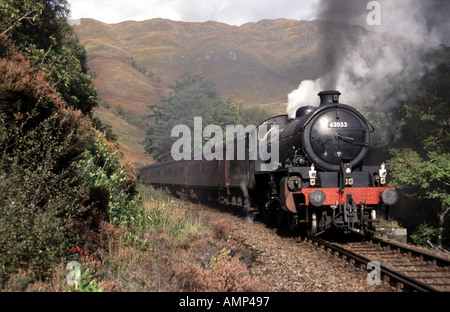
x: 364, y: 61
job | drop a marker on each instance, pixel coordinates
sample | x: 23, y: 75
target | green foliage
x: 105, y: 104
x: 42, y: 200
x: 59, y: 178
x: 108, y: 178
x: 133, y: 239
x: 422, y: 165
x: 87, y: 283
x: 107, y: 130
x: 430, y: 174
x: 14, y: 14
x: 254, y: 116
x: 119, y: 110
x: 189, y: 97
x: 56, y: 181
x: 426, y: 111
x: 163, y: 213
x: 166, y: 216
x: 194, y: 96
x: 40, y: 30
x: 423, y: 234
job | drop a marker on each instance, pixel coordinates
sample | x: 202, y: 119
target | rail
x: 440, y: 261
x: 396, y: 279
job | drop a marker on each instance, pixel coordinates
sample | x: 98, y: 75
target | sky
x: 233, y: 12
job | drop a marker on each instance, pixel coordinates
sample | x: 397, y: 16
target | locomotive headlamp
x: 312, y: 176
x: 312, y: 172
x: 389, y: 196
x: 383, y: 173
x: 317, y: 198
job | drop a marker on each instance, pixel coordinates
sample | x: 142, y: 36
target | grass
x: 388, y: 224
x: 175, y: 248
x: 175, y: 218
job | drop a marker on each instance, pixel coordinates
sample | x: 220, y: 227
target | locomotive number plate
x: 338, y: 124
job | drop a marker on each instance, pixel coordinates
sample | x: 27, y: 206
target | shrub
x: 230, y: 274
x: 112, y: 183
x: 423, y: 234
x: 58, y: 176
x: 42, y: 199
x: 42, y: 196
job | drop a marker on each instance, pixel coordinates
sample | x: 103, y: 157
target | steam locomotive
x: 317, y: 182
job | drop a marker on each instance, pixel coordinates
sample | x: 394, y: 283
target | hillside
x: 133, y: 64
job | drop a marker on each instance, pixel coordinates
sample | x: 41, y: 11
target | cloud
x: 233, y: 12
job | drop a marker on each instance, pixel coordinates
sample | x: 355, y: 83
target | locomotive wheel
x: 312, y: 231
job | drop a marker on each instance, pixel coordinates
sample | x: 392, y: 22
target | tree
x: 422, y: 165
x: 193, y: 96
x: 14, y: 13
x: 424, y: 177
x: 41, y: 31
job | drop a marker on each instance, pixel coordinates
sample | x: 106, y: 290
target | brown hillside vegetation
x: 133, y: 64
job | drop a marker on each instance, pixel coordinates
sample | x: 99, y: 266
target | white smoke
x: 368, y: 62
x: 305, y: 94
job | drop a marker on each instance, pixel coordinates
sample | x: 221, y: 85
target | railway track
x: 405, y: 268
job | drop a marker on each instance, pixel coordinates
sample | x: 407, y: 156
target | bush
x: 42, y: 196
x: 58, y: 176
x: 112, y: 183
x: 230, y: 274
x: 423, y: 234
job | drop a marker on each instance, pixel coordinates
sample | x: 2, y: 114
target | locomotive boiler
x: 318, y: 181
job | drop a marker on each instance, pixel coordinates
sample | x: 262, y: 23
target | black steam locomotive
x: 318, y: 180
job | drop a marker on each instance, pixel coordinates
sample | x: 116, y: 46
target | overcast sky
x: 233, y: 12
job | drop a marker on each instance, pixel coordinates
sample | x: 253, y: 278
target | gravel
x: 286, y: 264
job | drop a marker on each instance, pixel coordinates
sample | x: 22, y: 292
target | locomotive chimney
x: 329, y: 97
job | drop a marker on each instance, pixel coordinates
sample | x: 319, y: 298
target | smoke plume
x: 364, y: 59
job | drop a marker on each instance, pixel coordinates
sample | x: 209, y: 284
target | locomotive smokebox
x: 329, y: 97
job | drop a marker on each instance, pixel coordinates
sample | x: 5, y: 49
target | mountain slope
x: 133, y: 64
